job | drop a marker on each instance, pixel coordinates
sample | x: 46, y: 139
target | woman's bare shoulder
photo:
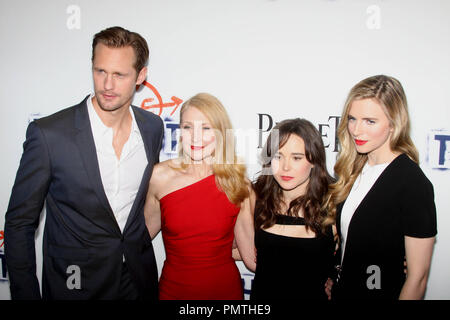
x: 164, y: 171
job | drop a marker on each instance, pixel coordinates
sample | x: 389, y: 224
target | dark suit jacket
x: 59, y: 166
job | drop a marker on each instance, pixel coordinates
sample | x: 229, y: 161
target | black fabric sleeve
x: 417, y: 207
x: 160, y: 140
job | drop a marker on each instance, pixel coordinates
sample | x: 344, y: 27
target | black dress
x: 292, y: 268
x: 399, y: 204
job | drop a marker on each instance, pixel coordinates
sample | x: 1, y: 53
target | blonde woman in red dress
x: 201, y: 203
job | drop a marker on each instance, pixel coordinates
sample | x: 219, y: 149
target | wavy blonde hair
x: 389, y: 93
x: 229, y: 172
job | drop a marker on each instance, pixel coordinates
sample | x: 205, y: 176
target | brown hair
x: 389, y: 93
x: 118, y: 37
x: 269, y: 194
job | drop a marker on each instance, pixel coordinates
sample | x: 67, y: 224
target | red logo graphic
x: 2, y: 237
x: 150, y: 103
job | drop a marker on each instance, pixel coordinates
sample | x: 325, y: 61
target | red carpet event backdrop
x: 266, y: 60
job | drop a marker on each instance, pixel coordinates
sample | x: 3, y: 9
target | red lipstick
x: 197, y: 147
x: 360, y: 142
x: 286, y: 178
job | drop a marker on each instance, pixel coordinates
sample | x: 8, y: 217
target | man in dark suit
x: 91, y: 164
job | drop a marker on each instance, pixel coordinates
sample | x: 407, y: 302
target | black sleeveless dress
x: 292, y: 268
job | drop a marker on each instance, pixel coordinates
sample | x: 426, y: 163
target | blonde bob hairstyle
x: 230, y: 173
x: 388, y: 93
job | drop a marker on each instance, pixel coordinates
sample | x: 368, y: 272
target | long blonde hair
x: 229, y: 172
x: 389, y: 93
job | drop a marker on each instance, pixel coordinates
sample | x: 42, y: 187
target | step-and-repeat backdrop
x: 266, y: 60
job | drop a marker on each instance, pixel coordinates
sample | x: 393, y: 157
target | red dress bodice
x: 197, y: 224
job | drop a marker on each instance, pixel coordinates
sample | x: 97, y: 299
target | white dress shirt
x: 363, y: 183
x: 120, y: 177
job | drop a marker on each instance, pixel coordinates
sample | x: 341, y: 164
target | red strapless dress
x: 197, y: 224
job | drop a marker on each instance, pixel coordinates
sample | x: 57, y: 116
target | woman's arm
x: 418, y: 260
x: 235, y: 252
x: 152, y: 209
x: 244, y: 233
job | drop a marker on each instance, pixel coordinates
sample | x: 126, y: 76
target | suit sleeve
x: 22, y: 217
x: 159, y: 140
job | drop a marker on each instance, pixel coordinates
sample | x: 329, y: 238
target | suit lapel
x: 85, y: 142
x: 146, y: 134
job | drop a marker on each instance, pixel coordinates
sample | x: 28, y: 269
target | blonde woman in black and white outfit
x: 382, y: 202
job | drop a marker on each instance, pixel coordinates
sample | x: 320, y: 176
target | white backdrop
x: 264, y: 59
